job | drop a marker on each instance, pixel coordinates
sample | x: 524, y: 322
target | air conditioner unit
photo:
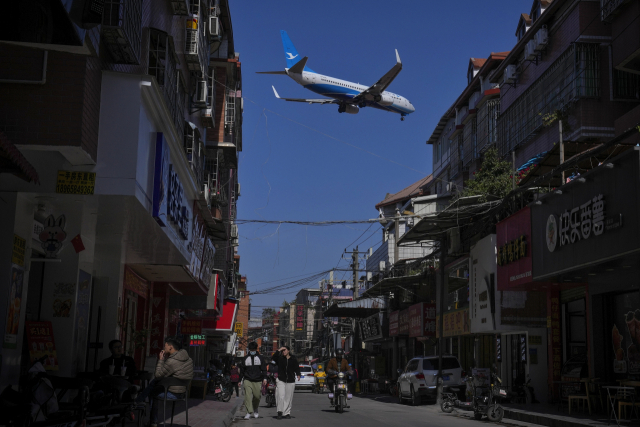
x: 215, y: 28
x: 237, y: 190
x: 200, y: 98
x: 382, y: 266
x: 191, y: 43
x: 206, y: 118
x: 234, y: 231
x: 240, y: 353
x: 530, y: 50
x: 509, y: 74
x: 542, y: 38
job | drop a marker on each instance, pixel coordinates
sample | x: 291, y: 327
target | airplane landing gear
x: 402, y: 118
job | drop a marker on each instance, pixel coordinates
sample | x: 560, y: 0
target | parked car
x: 419, y: 378
x: 306, y: 377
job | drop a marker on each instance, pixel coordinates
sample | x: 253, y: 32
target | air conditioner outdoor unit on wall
x: 215, y: 28
x: 240, y: 353
x: 530, y: 50
x: 542, y: 38
x: 382, y: 265
x: 509, y: 74
x: 200, y: 98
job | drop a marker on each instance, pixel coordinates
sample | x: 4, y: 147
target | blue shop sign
x: 169, y: 204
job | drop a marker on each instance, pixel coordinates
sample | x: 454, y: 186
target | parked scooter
x: 483, y: 399
x: 219, y: 386
x: 340, y: 394
x: 522, y: 391
x: 270, y: 396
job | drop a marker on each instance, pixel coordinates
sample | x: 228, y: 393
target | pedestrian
x: 174, y: 362
x: 254, y: 372
x: 234, y: 377
x: 288, y: 370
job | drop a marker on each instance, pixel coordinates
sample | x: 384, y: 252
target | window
x: 162, y: 65
x: 305, y: 369
x: 412, y: 366
x: 432, y: 364
x: 626, y: 86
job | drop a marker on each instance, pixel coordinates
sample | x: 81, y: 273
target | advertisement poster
x: 455, y: 323
x: 299, y: 317
x: 41, y: 344
x: 191, y: 327
x: 63, y: 296
x: 82, y: 317
x: 13, y: 307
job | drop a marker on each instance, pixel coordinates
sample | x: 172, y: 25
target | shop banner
x: 393, y: 323
x: 482, y: 288
x: 422, y: 320
x: 191, y: 327
x: 41, y: 344
x: 239, y: 329
x: 514, y: 257
x: 403, y: 322
x: 135, y: 283
x: 63, y: 296
x: 299, y: 317
x: 589, y: 221
x: 14, y: 302
x: 455, y: 323
x: 371, y: 327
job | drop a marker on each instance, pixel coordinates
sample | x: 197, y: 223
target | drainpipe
x: 32, y: 82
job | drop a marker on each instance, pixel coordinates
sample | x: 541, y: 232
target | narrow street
x: 375, y: 410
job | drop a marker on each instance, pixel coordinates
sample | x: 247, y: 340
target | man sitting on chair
x: 174, y: 362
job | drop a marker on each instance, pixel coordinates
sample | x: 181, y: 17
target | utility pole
x: 443, y: 255
x: 355, y: 266
x: 396, y: 236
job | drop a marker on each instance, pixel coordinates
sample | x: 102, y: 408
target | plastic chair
x: 169, y: 382
x: 627, y: 398
x: 581, y: 398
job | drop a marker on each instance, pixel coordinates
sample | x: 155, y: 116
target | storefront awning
x: 224, y: 323
x: 433, y: 227
x: 389, y: 284
x: 357, y: 309
x: 12, y: 161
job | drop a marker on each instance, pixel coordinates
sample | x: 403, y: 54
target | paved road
x: 312, y: 410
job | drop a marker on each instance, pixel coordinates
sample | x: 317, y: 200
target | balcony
x: 610, y: 8
x: 121, y: 30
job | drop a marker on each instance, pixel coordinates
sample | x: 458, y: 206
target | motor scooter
x: 270, y: 395
x: 522, y: 391
x: 483, y: 399
x: 340, y: 393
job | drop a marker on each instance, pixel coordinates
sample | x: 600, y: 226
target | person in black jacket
x: 254, y: 370
x: 288, y: 370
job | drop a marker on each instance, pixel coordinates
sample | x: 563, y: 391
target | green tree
x: 268, y: 314
x: 492, y: 179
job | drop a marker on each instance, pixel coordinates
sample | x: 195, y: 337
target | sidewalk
x: 208, y: 412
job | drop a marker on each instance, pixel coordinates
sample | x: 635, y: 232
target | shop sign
x: 578, y: 223
x: 169, y: 205
x: 14, y: 303
x: 17, y: 254
x: 41, y: 344
x: 191, y: 327
x: 52, y: 235
x: 514, y: 259
x: 394, y: 317
x: 454, y: 323
x: 238, y: 329
x: 422, y: 320
x: 70, y: 182
x: 197, y: 340
x: 371, y: 328
x: 202, y: 252
x: 299, y: 317
x: 135, y: 283
x: 403, y: 322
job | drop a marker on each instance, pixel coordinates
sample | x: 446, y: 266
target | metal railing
x: 122, y: 30
x: 607, y: 7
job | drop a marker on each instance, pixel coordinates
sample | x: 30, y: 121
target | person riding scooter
x: 334, y: 367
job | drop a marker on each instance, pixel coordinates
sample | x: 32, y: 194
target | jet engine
x: 348, y: 108
x: 385, y: 100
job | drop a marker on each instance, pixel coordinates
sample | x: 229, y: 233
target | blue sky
x: 295, y: 163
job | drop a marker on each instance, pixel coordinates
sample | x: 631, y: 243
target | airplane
x: 350, y: 97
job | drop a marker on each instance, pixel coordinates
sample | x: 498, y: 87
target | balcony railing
x: 122, y: 30
x: 608, y: 7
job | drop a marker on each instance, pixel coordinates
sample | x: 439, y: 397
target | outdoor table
x: 612, y: 399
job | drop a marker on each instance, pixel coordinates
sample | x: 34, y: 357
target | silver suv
x: 419, y: 377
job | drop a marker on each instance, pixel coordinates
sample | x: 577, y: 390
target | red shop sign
x: 513, y: 237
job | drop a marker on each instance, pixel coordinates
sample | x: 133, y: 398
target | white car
x: 306, y: 377
x: 419, y: 378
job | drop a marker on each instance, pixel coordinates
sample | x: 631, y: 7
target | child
x: 234, y: 376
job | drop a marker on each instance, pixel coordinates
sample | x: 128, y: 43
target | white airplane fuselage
x: 344, y: 90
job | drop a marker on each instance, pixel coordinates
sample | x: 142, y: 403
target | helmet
x: 339, y: 352
x: 319, y: 366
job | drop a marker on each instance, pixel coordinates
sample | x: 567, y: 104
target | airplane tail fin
x: 291, y: 54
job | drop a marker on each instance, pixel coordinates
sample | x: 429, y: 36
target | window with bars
x: 194, y: 149
x: 575, y: 75
x: 229, y: 112
x: 486, y: 124
x: 121, y: 30
x: 626, y: 86
x: 469, y: 142
x: 162, y: 65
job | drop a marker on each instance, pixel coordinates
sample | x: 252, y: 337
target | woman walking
x: 288, y: 370
x: 234, y: 377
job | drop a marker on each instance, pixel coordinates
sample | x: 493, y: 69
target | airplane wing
x: 384, y: 82
x: 308, y: 101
